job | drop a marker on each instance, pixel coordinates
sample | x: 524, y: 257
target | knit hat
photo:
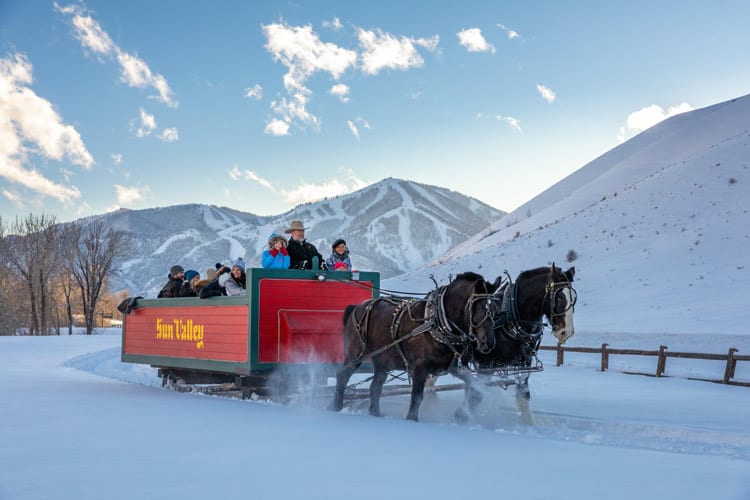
x: 337, y: 243
x: 296, y: 225
x: 240, y: 263
x: 191, y: 273
x: 176, y: 269
x: 274, y: 238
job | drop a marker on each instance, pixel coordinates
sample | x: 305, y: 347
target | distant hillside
x: 391, y: 226
x: 658, y: 229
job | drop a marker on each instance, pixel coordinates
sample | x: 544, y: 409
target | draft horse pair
x: 466, y: 328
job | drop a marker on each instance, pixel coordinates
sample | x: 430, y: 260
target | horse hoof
x: 461, y: 416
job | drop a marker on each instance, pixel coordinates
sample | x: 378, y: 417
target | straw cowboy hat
x: 296, y: 225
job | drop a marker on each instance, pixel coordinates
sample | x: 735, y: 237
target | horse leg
x: 417, y: 392
x: 472, y: 396
x: 376, y: 389
x: 523, y: 395
x: 343, y: 375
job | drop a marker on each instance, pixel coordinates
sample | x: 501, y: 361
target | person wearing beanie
x: 188, y: 287
x: 174, y: 283
x: 339, y: 258
x: 276, y: 255
x: 301, y: 252
x: 235, y: 285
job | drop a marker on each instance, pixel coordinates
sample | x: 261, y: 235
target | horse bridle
x: 551, y: 291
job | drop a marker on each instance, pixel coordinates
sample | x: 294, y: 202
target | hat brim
x: 292, y: 229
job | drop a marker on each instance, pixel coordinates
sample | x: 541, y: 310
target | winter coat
x: 334, y: 258
x: 212, y: 289
x: 235, y: 286
x: 187, y: 290
x: 276, y: 259
x: 301, y: 254
x: 171, y: 289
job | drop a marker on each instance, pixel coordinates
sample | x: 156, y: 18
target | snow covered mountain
x: 664, y: 215
x: 390, y: 226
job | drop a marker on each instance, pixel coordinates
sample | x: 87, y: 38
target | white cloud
x: 307, y: 192
x: 335, y: 25
x: 148, y: 124
x: 135, y: 72
x: 513, y: 122
x: 474, y: 41
x: 511, y: 33
x: 383, y: 50
x: 236, y: 174
x: 341, y: 91
x: 353, y: 128
x: 254, y: 92
x: 13, y: 197
x: 277, y: 127
x: 29, y: 125
x: 127, y: 195
x: 303, y: 53
x: 649, y: 116
x: 547, y: 93
x: 117, y: 158
x: 355, y: 124
x: 169, y: 135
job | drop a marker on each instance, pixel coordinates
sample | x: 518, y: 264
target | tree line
x: 50, y: 273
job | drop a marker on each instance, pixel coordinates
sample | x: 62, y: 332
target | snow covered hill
x: 654, y: 228
x: 390, y: 226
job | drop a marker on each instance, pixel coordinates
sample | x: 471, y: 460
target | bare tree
x: 92, y: 263
x: 30, y: 250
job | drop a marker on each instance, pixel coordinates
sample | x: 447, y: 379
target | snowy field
x: 79, y: 424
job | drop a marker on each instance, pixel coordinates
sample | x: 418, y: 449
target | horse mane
x: 531, y: 273
x: 470, y: 276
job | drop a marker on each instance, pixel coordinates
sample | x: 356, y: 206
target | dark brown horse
x: 423, y: 337
x: 536, y: 294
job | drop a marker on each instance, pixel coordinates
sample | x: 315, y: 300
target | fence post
x: 731, y: 364
x: 661, y: 364
x: 605, y: 357
x: 559, y: 354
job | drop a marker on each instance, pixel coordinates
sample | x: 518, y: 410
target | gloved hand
x: 274, y: 252
x: 284, y: 251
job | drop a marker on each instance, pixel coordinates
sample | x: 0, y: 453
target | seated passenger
x: 235, y: 285
x: 276, y: 255
x: 214, y: 286
x: 301, y: 252
x: 188, y: 287
x: 174, y: 283
x: 339, y: 258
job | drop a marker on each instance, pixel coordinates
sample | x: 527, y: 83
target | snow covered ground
x: 79, y: 424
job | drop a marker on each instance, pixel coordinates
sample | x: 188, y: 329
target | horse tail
x: 348, y: 312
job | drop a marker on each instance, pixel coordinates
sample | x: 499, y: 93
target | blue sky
x: 260, y: 106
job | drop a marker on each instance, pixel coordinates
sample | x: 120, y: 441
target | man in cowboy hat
x: 301, y: 252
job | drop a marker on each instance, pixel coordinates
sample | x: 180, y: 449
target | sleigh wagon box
x: 287, y: 317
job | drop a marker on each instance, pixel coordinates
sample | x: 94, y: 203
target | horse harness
x: 435, y: 321
x: 528, y: 333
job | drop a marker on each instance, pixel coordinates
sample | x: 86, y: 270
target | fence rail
x: 730, y: 358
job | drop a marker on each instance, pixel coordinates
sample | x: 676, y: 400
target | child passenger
x: 276, y: 256
x: 339, y: 258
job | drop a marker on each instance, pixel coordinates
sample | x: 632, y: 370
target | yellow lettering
x: 181, y: 331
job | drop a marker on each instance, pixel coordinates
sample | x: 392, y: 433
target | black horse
x: 423, y: 337
x: 537, y: 293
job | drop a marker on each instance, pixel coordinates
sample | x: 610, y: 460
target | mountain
x: 655, y: 227
x: 391, y: 226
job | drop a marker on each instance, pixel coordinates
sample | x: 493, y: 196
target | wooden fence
x: 731, y: 359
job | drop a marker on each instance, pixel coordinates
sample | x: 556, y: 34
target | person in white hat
x: 301, y: 252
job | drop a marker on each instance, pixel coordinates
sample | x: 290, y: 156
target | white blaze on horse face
x: 563, y: 334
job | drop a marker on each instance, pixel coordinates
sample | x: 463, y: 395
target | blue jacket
x: 280, y: 261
